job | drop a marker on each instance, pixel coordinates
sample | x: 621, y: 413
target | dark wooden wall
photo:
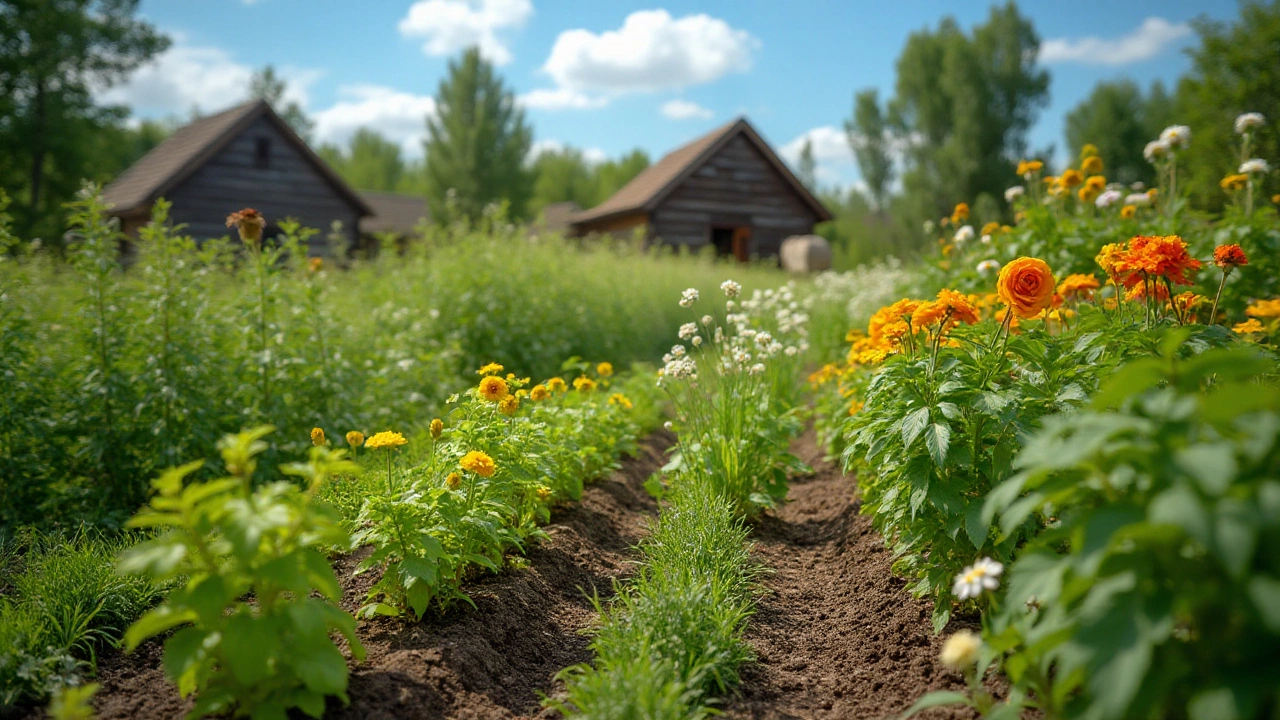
x: 290, y: 187
x: 737, y: 184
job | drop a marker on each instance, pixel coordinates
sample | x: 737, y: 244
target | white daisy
x: 1249, y: 121
x: 976, y: 578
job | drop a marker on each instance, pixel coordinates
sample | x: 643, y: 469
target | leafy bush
x: 259, y: 599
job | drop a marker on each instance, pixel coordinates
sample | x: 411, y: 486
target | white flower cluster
x: 688, y: 297
x: 1256, y: 165
x: 1249, y: 121
x: 862, y: 291
x: 986, y: 267
x: 1138, y: 199
x: 731, y: 289
x: 688, y: 331
x: 964, y: 234
x: 1109, y: 198
x: 1014, y: 193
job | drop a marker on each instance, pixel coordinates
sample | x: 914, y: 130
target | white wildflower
x: 707, y: 320
x: 1108, y: 198
x: 1138, y: 199
x: 985, y: 239
x: 763, y: 338
x: 1249, y: 121
x: 756, y: 369
x: 1256, y: 165
x: 688, y: 297
x: 791, y: 351
x: 1156, y: 150
x: 976, y: 578
x: 668, y: 425
x: 731, y: 288
x: 987, y: 267
x: 965, y: 233
x: 1176, y: 136
x: 697, y: 340
x: 688, y: 330
x: 1014, y: 193
x: 677, y: 351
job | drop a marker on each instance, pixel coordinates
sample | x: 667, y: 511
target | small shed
x: 727, y: 189
x: 246, y: 156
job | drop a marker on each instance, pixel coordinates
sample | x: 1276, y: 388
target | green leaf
x: 1180, y: 507
x: 184, y: 651
x: 974, y: 526
x: 321, y: 666
x: 1213, y: 704
x: 1265, y: 593
x: 1236, y: 533
x: 248, y: 646
x: 1132, y: 379
x: 156, y: 558
x: 153, y: 623
x: 913, y: 425
x: 937, y: 438
x: 937, y: 698
x: 1212, y: 466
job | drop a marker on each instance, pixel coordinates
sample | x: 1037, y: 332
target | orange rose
x: 1026, y: 285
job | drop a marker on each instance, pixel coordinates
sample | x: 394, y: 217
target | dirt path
x: 838, y: 636
x: 476, y: 664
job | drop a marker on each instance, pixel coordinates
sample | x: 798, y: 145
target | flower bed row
x: 1117, y: 457
x: 671, y: 642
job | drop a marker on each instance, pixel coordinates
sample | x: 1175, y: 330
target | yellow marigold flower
x: 1264, y: 308
x: 556, y: 384
x: 492, y: 368
x: 1097, y: 183
x: 1078, y: 284
x: 620, y: 399
x: 522, y: 393
x: 454, y: 480
x: 315, y: 264
x: 960, y: 214
x: 509, y: 405
x: 355, y: 438
x: 539, y: 392
x: 1026, y: 167
x: 1231, y: 183
x: 604, y: 369
x: 385, y: 439
x: 493, y: 388
x: 478, y: 463
x: 1152, y: 193
x: 584, y: 383
x: 1089, y: 150
x: 1248, y: 326
x: 1128, y: 211
x: 990, y: 228
x: 437, y: 427
x: 544, y: 493
x: 1019, y: 217
x: 1092, y: 165
x: 855, y: 406
x: 317, y: 437
x: 1186, y: 301
x: 1088, y: 194
x: 1071, y: 177
x: 1276, y: 198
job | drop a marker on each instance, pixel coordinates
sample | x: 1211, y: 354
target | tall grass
x: 110, y: 375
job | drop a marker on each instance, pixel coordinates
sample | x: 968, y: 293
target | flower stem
x: 1213, y: 314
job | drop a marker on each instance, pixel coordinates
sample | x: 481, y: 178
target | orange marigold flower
x: 1229, y: 256
x: 315, y: 264
x: 493, y: 388
x: 1186, y: 301
x: 1156, y: 255
x: 1108, y: 256
x: 1026, y: 285
x: 960, y: 214
x: 1078, y: 285
x: 1139, y: 291
x: 1264, y: 308
x: 478, y: 463
x: 249, y: 223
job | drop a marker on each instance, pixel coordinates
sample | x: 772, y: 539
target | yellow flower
x: 544, y: 493
x: 1026, y: 167
x: 385, y: 439
x: 620, y: 399
x: 1089, y: 150
x: 1275, y: 199
x: 1092, y: 165
x: 437, y: 427
x: 556, y: 384
x: 490, y: 369
x: 315, y: 264
x: 1071, y: 178
x: 539, y: 392
x: 960, y: 651
x: 478, y: 463
x: 1231, y: 183
x: 453, y: 481
x: 509, y: 405
x: 1128, y: 211
x: 355, y: 438
x: 1026, y: 285
x: 317, y: 437
x: 855, y: 406
x: 604, y: 369
x: 960, y: 214
x: 1264, y: 308
x: 493, y: 388
x: 1248, y: 326
x: 584, y: 383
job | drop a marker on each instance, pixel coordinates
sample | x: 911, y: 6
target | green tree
x: 1235, y: 69
x: 266, y: 85
x: 962, y: 107
x: 562, y: 175
x: 477, y: 142
x: 1113, y: 119
x: 369, y: 162
x: 869, y: 139
x: 53, y: 53
x: 611, y: 175
x: 807, y: 168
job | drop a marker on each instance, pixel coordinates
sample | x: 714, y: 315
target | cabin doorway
x: 732, y: 241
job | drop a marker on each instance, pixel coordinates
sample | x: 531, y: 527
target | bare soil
x: 837, y: 636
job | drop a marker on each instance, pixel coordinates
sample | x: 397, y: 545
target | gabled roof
x: 394, y: 212
x: 648, y: 189
x: 191, y: 146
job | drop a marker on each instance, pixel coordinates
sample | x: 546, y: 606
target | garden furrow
x: 489, y: 662
x: 837, y: 635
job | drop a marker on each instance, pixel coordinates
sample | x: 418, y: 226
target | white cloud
x: 835, y: 162
x: 685, y: 110
x: 560, y: 99
x: 185, y: 77
x: 453, y: 25
x: 400, y: 116
x: 1152, y: 37
x: 593, y: 155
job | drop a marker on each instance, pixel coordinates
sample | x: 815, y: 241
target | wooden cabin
x: 728, y: 189
x: 243, y: 157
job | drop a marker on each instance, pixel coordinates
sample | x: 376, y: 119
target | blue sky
x: 611, y: 76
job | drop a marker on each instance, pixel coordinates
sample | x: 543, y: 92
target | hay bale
x: 805, y: 254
